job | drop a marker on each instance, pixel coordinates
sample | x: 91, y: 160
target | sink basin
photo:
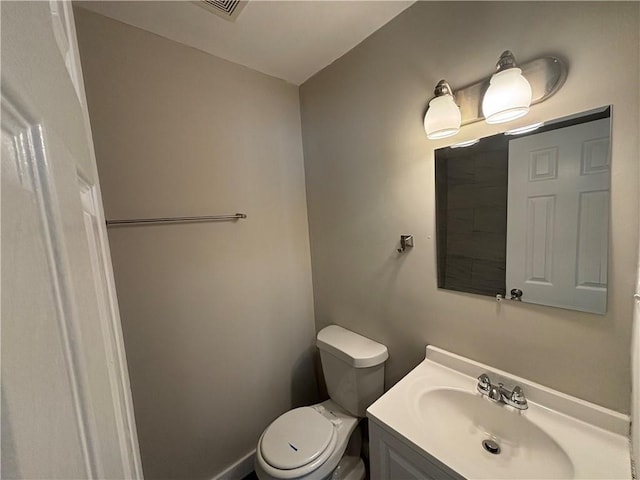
x: 460, y: 421
x: 437, y: 414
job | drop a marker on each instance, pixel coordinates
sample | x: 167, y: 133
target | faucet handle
x: 484, y: 383
x: 517, y: 396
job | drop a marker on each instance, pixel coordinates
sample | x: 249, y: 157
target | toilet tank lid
x: 354, y: 349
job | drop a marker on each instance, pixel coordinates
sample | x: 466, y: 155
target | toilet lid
x: 296, y: 438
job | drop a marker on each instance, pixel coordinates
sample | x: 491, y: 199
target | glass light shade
x: 443, y: 118
x: 508, y: 96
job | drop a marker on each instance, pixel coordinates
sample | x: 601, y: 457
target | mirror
x: 525, y: 214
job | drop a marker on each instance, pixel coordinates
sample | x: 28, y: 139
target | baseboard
x: 239, y: 469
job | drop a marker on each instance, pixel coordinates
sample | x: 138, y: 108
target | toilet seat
x: 297, y: 443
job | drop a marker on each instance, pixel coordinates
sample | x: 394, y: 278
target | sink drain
x: 491, y: 447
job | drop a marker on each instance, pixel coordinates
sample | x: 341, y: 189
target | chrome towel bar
x: 153, y: 221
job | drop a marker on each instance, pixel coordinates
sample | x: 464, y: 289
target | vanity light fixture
x: 509, y: 94
x: 505, y: 96
x: 443, y: 116
x: 525, y: 129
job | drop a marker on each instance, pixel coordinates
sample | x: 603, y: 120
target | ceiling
x: 291, y: 40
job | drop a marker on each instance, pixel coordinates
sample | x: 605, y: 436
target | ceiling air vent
x: 227, y: 9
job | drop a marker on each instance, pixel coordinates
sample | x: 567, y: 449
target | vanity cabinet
x: 391, y: 459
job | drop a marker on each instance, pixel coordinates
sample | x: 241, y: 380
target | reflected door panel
x: 558, y: 216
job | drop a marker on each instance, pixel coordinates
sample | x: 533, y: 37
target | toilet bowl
x: 311, y: 443
x: 323, y: 441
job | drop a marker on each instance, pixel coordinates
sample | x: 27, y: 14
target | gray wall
x: 217, y: 317
x: 370, y: 177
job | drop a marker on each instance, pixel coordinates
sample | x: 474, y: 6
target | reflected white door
x: 66, y: 402
x: 558, y: 216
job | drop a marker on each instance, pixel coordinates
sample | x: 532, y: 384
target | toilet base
x: 349, y: 468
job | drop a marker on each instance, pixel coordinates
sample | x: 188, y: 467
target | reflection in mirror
x: 525, y: 214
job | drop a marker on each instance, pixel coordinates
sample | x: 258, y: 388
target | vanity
x: 454, y: 418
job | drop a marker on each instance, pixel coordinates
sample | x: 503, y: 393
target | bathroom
x: 219, y: 319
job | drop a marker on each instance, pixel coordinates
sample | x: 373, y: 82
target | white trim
x: 239, y: 469
x: 133, y: 462
x: 635, y: 384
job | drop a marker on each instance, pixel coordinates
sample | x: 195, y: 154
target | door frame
x: 115, y: 343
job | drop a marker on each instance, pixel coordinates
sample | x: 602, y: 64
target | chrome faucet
x: 500, y: 394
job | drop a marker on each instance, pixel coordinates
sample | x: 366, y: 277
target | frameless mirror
x: 525, y: 214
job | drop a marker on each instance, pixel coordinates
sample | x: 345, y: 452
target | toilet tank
x: 353, y: 368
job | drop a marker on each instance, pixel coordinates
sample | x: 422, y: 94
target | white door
x: 558, y: 216
x: 66, y: 402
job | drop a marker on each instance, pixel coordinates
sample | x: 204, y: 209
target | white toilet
x: 321, y: 441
